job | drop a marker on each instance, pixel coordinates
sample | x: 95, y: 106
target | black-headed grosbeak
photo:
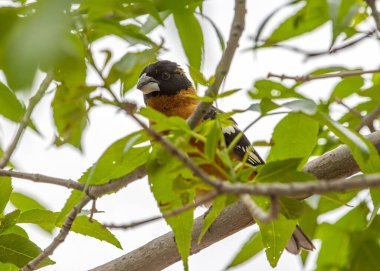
x: 167, y: 89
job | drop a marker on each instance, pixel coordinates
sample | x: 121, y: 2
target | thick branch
x: 223, y: 67
x: 375, y: 12
x: 305, y: 78
x: 162, y: 251
x: 26, y: 119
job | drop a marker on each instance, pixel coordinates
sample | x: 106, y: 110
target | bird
x: 167, y: 89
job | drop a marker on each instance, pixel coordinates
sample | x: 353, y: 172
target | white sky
x: 37, y: 155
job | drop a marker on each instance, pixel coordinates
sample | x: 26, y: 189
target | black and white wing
x: 243, y: 146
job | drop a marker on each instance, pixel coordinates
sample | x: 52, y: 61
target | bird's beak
x: 147, y: 84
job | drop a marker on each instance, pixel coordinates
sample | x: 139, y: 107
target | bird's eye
x: 165, y: 76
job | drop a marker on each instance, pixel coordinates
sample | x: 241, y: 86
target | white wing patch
x: 229, y: 129
x: 252, y: 157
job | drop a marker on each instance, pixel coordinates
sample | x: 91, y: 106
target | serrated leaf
x: 217, y: 207
x: 275, y: 236
x: 308, y: 18
x: 284, y: 171
x: 44, y: 218
x: 19, y: 250
x: 70, y: 114
x: 94, y: 229
x: 75, y: 197
x: 347, y: 86
x: 129, y: 67
x: 8, y: 221
x: 250, y: 249
x: 118, y: 160
x: 5, y: 192
x: 24, y: 202
x: 163, y: 172
x: 295, y: 136
x: 10, y: 106
x: 192, y: 44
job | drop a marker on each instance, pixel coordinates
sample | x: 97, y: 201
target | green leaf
x: 272, y: 90
x: 121, y: 158
x: 198, y: 76
x: 192, y: 44
x: 347, y: 86
x: 45, y: 31
x: 295, y: 136
x: 19, y: 250
x: 163, y: 171
x: 152, y: 21
x: 341, y: 13
x: 365, y: 255
x: 361, y: 149
x: 335, y: 247
x: 212, y: 140
x: 94, y: 229
x: 217, y: 31
x: 17, y: 230
x: 355, y: 220
x: 5, y: 192
x: 25, y: 203
x: 305, y: 106
x: 291, y: 208
x: 8, y: 267
x: 250, y: 248
x: 44, y: 218
x: 9, y: 220
x: 75, y: 197
x: 129, y: 67
x: 308, y: 18
x: 284, y: 171
x: 275, y: 236
x: 217, y: 207
x: 70, y: 114
x: 10, y: 106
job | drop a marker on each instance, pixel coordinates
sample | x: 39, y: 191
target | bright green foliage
x: 253, y: 246
x: 8, y: 221
x: 121, y: 158
x: 5, y: 192
x: 275, y: 236
x: 75, y: 197
x: 70, y: 114
x: 294, y: 137
x: 10, y: 107
x: 19, y: 250
x: 163, y: 172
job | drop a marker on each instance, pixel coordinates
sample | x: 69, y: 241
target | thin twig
x: 26, y: 119
x: 375, y: 12
x: 60, y: 238
x: 311, y: 54
x: 353, y: 111
x: 305, y: 78
x: 369, y: 119
x: 238, y: 24
x: 207, y: 198
x: 256, y: 211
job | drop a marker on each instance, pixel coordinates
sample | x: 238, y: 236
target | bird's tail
x: 298, y: 241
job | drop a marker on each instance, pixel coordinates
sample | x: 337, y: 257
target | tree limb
x: 238, y: 24
x: 162, y: 251
x: 26, y: 119
x: 375, y: 12
x: 306, y: 78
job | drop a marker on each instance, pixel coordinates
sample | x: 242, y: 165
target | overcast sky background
x: 37, y: 155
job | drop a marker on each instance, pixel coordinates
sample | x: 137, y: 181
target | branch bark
x: 162, y: 251
x: 238, y: 24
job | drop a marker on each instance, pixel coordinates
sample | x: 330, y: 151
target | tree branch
x: 238, y: 24
x: 26, y: 119
x: 60, y: 238
x: 369, y: 119
x: 162, y: 251
x: 256, y: 212
x: 375, y: 12
x: 305, y: 78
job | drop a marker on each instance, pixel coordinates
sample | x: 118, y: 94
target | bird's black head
x: 162, y: 78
